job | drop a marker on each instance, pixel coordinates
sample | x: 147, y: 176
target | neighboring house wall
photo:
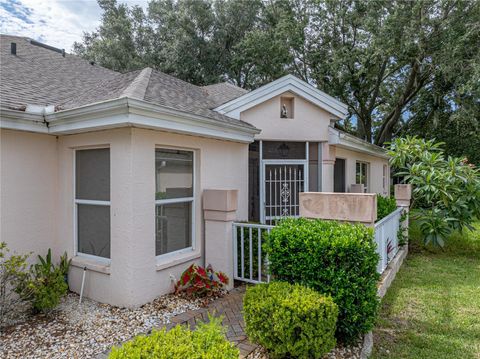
x: 135, y: 274
x: 309, y: 122
x: 375, y: 170
x: 28, y: 183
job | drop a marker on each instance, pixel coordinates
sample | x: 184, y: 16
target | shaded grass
x: 432, y: 310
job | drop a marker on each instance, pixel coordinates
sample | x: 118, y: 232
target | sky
x: 58, y: 23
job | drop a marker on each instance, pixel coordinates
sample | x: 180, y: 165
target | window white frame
x: 76, y: 202
x: 365, y: 175
x: 191, y: 200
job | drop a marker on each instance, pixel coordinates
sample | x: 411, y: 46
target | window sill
x: 91, y: 264
x: 176, y: 259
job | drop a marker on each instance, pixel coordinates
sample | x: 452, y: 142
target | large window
x: 361, y: 175
x: 174, y: 198
x: 92, y: 201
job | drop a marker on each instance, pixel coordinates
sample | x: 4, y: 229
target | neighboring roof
x: 288, y: 83
x: 343, y: 139
x: 40, y: 76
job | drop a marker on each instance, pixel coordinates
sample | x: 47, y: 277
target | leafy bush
x: 45, y: 285
x: 206, y: 342
x: 333, y: 258
x: 385, y: 206
x: 290, y: 320
x: 198, y: 281
x: 64, y: 264
x: 446, y: 190
x: 13, y: 271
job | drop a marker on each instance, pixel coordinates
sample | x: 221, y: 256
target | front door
x: 339, y: 175
x: 283, y: 181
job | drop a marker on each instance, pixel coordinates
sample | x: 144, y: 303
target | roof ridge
x: 138, y: 87
x: 226, y: 83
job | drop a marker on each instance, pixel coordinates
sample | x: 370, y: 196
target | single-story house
x: 111, y: 167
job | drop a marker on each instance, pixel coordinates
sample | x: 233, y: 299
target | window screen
x: 93, y: 174
x: 92, y: 201
x: 174, y: 200
x: 273, y: 150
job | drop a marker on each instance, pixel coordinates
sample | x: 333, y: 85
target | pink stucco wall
x: 309, y: 123
x: 28, y: 191
x: 37, y: 204
x: 375, y: 176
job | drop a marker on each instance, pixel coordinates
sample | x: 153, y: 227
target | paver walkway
x: 230, y: 306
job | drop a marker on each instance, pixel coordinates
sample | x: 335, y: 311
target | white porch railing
x: 249, y: 263
x: 386, y: 237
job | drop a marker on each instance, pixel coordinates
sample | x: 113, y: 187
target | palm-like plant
x: 446, y: 191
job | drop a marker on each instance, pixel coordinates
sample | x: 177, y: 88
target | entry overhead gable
x: 288, y: 83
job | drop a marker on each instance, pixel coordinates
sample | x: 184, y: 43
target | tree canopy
x: 400, y: 66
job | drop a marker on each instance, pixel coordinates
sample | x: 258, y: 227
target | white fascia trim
x: 127, y: 112
x: 284, y: 84
x: 349, y: 142
x: 21, y: 121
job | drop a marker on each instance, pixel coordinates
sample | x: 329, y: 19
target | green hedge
x: 290, y: 320
x: 335, y: 259
x: 206, y: 342
x: 385, y: 206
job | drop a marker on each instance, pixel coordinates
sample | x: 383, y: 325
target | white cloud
x: 57, y: 23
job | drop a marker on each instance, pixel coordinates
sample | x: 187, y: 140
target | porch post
x: 328, y: 162
x: 403, y: 196
x: 219, y: 212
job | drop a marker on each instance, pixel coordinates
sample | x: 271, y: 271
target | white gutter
x: 128, y: 112
x: 349, y: 142
x: 22, y: 121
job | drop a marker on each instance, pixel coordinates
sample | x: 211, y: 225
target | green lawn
x: 432, y: 309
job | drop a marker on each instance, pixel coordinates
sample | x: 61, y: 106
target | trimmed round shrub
x: 385, y: 206
x: 290, y: 320
x: 336, y: 259
x: 206, y: 342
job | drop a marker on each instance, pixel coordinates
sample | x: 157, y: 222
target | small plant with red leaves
x: 198, y: 281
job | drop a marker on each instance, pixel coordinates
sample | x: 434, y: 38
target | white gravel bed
x: 88, y: 329
x: 350, y: 352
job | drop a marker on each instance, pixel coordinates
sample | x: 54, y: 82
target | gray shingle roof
x: 223, y: 92
x: 43, y: 77
x: 40, y: 76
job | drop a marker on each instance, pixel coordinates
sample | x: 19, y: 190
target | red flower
x: 222, y: 277
x: 201, y: 271
x: 197, y: 281
x: 185, y: 278
x: 190, y: 269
